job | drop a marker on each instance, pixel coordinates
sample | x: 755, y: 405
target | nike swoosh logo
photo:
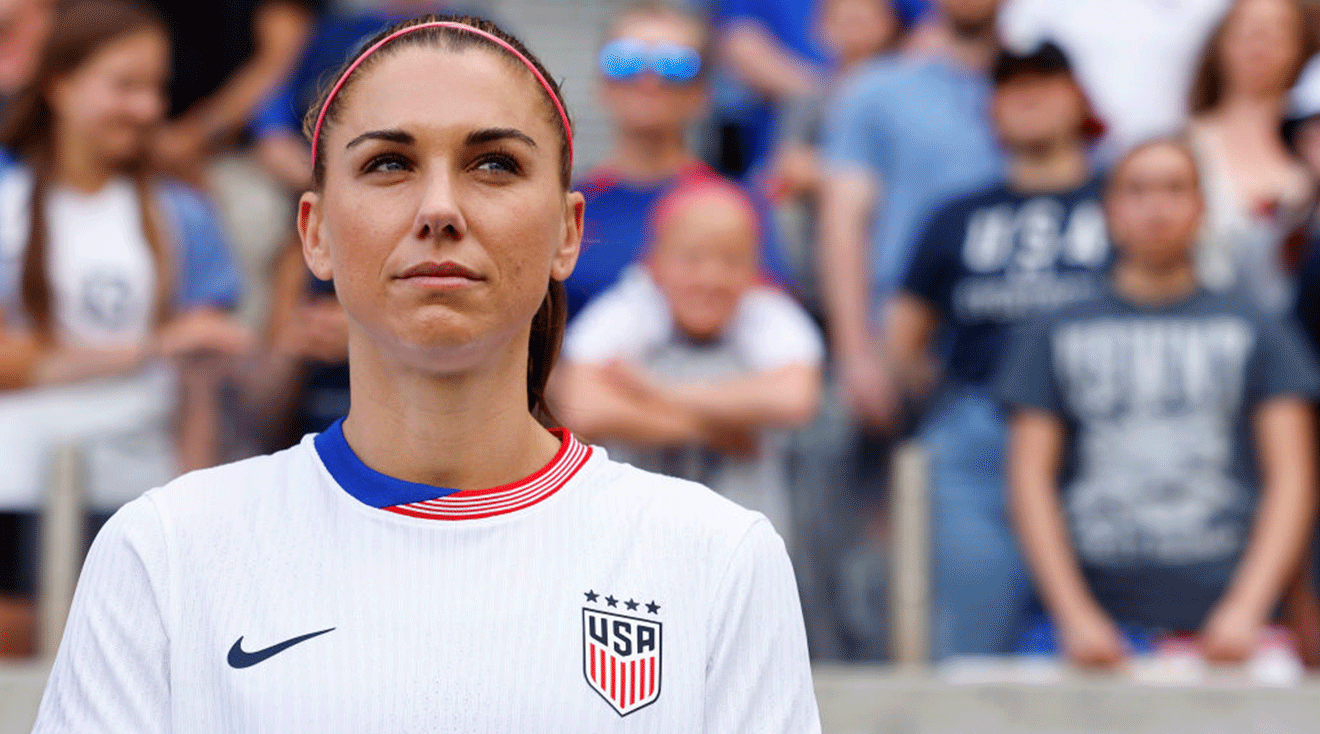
x: 239, y: 658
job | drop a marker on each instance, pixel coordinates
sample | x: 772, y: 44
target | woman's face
x: 114, y: 101
x: 1260, y: 47
x: 442, y: 218
x: 1155, y: 206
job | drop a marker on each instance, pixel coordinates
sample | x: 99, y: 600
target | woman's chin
x: 444, y: 342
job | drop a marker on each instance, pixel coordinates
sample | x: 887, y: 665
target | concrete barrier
x: 20, y: 693
x: 876, y: 700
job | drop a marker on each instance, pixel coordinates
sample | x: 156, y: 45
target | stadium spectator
x: 689, y: 368
x: 1161, y: 461
x: 110, y: 277
x: 24, y: 25
x: 987, y: 261
x: 1257, y: 192
x: 1135, y: 58
x: 653, y: 71
x: 905, y: 136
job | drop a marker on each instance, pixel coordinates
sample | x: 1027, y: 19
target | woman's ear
x: 315, y: 252
x: 567, y: 254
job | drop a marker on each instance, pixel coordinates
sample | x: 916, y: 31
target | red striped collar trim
x: 474, y: 504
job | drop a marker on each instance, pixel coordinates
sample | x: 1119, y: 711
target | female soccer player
x: 439, y: 561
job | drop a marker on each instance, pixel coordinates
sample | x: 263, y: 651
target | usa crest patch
x: 621, y: 658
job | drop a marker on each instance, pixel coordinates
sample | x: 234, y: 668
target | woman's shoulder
x: 234, y: 491
x: 671, y: 506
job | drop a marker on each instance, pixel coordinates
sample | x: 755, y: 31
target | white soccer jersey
x: 304, y: 592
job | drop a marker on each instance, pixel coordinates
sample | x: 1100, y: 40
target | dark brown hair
x: 1208, y: 89
x: 81, y: 29
x: 547, y: 333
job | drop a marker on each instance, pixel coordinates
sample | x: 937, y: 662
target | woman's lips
x: 447, y: 274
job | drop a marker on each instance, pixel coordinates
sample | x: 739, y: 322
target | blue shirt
x: 615, y: 231
x: 1160, y: 483
x: 922, y: 128
x: 995, y: 258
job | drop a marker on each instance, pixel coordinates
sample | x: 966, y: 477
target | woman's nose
x: 438, y: 212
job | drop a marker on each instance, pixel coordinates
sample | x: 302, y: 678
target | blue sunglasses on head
x: 627, y: 58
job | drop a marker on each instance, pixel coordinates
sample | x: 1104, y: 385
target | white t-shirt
x: 1135, y: 58
x: 768, y: 331
x: 286, y: 594
x: 103, y: 279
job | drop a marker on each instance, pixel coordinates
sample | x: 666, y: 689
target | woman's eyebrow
x: 389, y: 136
x: 493, y: 134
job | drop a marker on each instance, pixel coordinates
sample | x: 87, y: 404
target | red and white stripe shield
x: 621, y: 658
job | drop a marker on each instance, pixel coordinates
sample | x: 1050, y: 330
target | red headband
x: 563, y: 114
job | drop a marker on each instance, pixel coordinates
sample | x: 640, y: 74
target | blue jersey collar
x: 367, y: 485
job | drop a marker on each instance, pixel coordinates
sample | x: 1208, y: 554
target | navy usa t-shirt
x: 990, y: 260
x: 1159, y: 481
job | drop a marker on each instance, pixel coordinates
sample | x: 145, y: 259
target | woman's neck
x: 76, y: 166
x: 1149, y: 285
x: 645, y: 156
x: 469, y: 430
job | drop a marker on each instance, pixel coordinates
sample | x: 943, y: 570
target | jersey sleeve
x: 853, y: 136
x: 112, y: 670
x: 758, y: 676
x: 1281, y: 365
x: 773, y: 331
x: 928, y: 274
x: 620, y: 324
x: 1027, y: 377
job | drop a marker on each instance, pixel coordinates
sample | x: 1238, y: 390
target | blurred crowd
x: 1069, y: 247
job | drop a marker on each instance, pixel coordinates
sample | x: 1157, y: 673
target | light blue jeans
x: 982, y: 589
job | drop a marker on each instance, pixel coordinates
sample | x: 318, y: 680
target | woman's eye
x: 497, y: 164
x: 386, y: 164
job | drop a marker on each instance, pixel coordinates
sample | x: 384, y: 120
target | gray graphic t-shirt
x: 1160, y: 483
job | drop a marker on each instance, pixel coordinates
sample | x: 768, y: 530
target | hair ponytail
x: 543, y: 349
